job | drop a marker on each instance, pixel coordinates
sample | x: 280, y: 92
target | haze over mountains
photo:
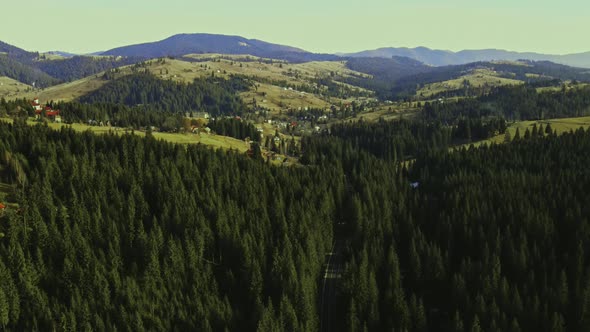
x: 182, y: 44
x: 444, y: 58
x: 394, y: 71
x: 211, y: 43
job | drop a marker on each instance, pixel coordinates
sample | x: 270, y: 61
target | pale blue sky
x: 320, y: 26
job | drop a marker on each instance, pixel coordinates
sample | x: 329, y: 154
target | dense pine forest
x: 131, y: 234
x: 116, y: 232
x: 25, y: 74
x: 399, y: 78
x: 515, y: 103
x: 213, y: 95
x: 106, y: 232
x: 82, y: 66
x: 489, y: 239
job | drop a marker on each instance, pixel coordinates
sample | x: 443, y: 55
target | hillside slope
x: 401, y: 77
x: 48, y: 69
x: 278, y: 85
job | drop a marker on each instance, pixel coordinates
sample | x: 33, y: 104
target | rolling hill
x: 15, y: 52
x: 285, y: 76
x: 278, y: 85
x: 51, y: 68
x: 444, y: 58
x: 182, y: 44
x: 24, y: 73
x: 401, y: 77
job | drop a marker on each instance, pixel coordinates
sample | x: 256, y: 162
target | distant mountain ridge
x: 445, y: 58
x: 35, y: 69
x: 183, y: 44
x: 15, y: 52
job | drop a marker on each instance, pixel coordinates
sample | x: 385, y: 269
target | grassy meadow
x: 476, y: 78
x: 216, y: 141
x: 559, y: 125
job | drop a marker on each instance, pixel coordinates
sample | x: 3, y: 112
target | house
x: 36, y: 106
x: 49, y: 112
x: 52, y: 114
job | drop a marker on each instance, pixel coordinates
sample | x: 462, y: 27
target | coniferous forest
x: 123, y: 233
x: 127, y: 233
x: 117, y: 232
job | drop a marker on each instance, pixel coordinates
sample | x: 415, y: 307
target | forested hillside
x: 134, y: 234
x: 213, y: 95
x: 78, y: 67
x: 23, y: 73
x: 515, y: 103
x: 400, y: 77
x: 29, y: 67
x: 488, y: 239
x: 117, y: 232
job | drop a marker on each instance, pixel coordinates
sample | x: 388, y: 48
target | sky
x: 326, y: 26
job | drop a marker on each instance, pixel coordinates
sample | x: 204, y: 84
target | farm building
x: 49, y: 112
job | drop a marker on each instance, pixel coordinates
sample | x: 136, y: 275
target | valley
x: 219, y: 183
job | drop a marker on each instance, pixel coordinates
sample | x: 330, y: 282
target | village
x: 278, y: 141
x: 45, y: 112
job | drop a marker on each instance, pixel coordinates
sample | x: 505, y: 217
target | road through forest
x: 331, y: 277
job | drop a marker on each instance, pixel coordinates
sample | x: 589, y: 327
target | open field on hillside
x: 568, y: 86
x: 387, y: 112
x: 66, y: 91
x: 278, y: 69
x: 276, y: 98
x: 476, y: 78
x: 10, y: 88
x: 559, y: 125
x: 50, y: 57
x: 212, y: 140
x: 269, y: 77
x: 216, y: 141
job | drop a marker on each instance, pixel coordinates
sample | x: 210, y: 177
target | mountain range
x: 445, y: 58
x: 386, y: 65
x: 183, y: 44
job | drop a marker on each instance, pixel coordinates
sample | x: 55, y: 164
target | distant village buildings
x: 47, y: 111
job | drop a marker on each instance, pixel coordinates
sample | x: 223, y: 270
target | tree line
x: 485, y: 239
x: 124, y: 233
x: 216, y: 96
